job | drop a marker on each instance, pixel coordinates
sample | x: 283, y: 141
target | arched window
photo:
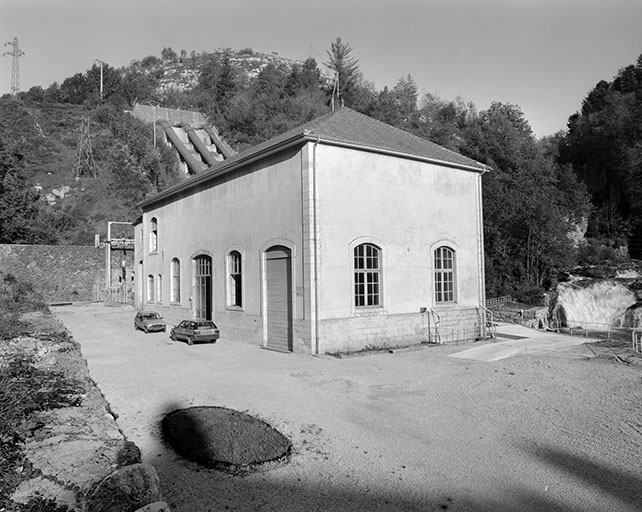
x: 159, y: 288
x: 367, y: 275
x: 150, y: 288
x: 153, y: 235
x: 235, y: 279
x: 444, y: 274
x: 175, y: 284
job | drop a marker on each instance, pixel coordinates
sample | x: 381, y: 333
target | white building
x: 341, y: 234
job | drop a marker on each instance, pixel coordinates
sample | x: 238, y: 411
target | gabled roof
x: 342, y: 127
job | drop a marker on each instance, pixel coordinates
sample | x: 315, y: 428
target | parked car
x: 149, y: 321
x: 195, y: 330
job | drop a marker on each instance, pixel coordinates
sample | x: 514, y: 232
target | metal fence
x: 122, y: 293
x: 498, y: 301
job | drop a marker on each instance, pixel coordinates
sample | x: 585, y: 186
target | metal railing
x: 636, y: 340
x: 489, y: 327
x: 122, y: 293
x: 498, y: 301
x: 590, y: 329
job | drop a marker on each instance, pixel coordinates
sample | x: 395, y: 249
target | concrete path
x: 524, y: 340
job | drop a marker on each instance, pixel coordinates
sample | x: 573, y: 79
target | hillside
x: 44, y: 126
x: 77, y: 204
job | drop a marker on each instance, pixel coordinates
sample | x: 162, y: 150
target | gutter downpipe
x: 482, y: 265
x: 316, y: 246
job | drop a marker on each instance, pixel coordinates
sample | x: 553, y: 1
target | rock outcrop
x: 76, y: 456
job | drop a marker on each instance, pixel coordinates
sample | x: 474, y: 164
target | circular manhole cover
x: 222, y: 438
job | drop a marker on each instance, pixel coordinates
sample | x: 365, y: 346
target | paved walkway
x: 524, y: 340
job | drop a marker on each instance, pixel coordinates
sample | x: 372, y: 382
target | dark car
x: 195, y: 330
x: 149, y: 321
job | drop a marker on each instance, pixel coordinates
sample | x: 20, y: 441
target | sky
x: 542, y: 55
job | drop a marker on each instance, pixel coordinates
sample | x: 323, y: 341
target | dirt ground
x: 412, y: 430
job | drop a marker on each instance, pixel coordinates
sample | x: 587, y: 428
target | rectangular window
x: 235, y: 283
x: 150, y: 288
x: 444, y: 275
x: 153, y: 235
x: 175, y: 285
x: 367, y: 278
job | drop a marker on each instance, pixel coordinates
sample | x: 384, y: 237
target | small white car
x: 149, y: 321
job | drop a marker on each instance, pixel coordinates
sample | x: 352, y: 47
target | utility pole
x: 16, y: 53
x: 101, y: 78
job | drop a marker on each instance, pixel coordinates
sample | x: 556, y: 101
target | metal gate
x: 203, y: 287
x: 279, y: 298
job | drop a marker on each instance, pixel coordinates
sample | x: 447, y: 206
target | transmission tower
x: 85, y: 165
x: 16, y: 53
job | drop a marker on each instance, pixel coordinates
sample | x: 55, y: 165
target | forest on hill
x: 541, y: 198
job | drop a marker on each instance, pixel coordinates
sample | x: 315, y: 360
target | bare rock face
x: 75, y: 454
x: 43, y: 487
x: 126, y: 490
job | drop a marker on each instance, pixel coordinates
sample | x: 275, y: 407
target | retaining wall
x: 60, y: 273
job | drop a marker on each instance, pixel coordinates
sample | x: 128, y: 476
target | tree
x: 527, y: 215
x: 603, y: 145
x: 346, y: 72
x: 21, y: 217
x: 75, y: 89
x: 406, y: 95
x: 169, y: 55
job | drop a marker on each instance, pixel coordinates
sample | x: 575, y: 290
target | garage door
x: 279, y: 298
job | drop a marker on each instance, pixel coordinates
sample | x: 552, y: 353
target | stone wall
x: 376, y: 331
x: 60, y: 273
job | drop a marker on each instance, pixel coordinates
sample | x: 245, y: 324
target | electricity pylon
x: 16, y: 53
x: 85, y: 164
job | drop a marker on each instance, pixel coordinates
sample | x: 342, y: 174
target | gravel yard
x: 412, y: 430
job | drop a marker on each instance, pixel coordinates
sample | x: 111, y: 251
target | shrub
x: 531, y: 295
x: 595, y: 251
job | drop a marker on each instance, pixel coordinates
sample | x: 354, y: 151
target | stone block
x: 126, y: 490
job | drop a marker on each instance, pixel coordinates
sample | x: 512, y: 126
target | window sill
x: 369, y: 311
x: 445, y: 305
x: 235, y: 308
x: 174, y: 303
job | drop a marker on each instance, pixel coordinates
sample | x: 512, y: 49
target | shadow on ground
x: 188, y: 486
x: 621, y: 486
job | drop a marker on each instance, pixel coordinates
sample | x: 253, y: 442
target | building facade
x: 339, y: 235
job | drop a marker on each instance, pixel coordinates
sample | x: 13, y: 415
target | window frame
x: 153, y: 235
x: 159, y: 288
x: 444, y: 275
x: 235, y: 282
x: 367, y: 272
x: 150, y: 288
x: 175, y: 281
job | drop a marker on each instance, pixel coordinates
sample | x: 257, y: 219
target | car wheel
x: 190, y: 340
x: 146, y: 330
